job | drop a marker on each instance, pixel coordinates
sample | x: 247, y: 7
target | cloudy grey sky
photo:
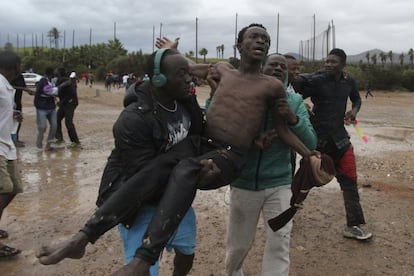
x: 359, y: 24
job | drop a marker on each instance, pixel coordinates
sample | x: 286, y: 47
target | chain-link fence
x: 217, y: 35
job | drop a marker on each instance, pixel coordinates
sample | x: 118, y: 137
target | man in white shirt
x: 10, y: 181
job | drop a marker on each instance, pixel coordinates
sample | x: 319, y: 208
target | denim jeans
x: 42, y: 116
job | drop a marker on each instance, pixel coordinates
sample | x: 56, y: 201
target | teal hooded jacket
x: 272, y: 167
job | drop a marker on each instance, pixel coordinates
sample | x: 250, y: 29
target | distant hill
x: 362, y: 56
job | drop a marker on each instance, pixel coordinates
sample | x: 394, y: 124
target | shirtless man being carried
x: 242, y: 98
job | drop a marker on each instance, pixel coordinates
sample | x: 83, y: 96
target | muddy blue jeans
x: 42, y: 117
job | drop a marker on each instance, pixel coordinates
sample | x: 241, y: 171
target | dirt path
x: 60, y: 192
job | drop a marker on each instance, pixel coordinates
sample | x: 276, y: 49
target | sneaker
x: 74, y: 145
x: 53, y: 146
x: 356, y: 232
x: 60, y: 141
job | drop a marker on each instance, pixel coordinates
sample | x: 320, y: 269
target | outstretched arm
x: 281, y: 118
x: 199, y: 70
x: 287, y: 136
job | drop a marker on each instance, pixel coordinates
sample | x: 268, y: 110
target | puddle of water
x: 52, y: 183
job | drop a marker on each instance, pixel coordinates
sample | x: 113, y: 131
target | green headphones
x: 158, y: 79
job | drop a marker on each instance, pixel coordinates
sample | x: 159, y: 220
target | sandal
x: 7, y: 251
x: 3, y: 234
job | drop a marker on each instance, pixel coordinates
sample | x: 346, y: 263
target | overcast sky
x: 360, y: 25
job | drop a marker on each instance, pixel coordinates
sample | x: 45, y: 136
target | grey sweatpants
x: 245, y: 209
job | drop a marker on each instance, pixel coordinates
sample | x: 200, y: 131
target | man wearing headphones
x: 157, y: 116
x: 184, y: 240
x: 223, y: 147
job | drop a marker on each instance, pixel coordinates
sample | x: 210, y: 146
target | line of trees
x: 103, y: 57
x: 383, y: 57
x: 391, y: 77
x: 97, y: 59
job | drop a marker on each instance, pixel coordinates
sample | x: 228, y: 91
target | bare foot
x: 74, y: 248
x: 136, y: 267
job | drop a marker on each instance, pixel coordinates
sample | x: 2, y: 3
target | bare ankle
x: 81, y: 239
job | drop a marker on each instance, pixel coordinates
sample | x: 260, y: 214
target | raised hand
x: 165, y: 42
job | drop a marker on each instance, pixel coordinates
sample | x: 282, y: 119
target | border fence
x: 217, y: 35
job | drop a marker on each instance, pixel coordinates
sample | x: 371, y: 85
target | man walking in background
x: 68, y: 101
x: 329, y: 91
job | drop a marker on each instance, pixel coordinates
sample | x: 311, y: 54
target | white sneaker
x: 356, y: 232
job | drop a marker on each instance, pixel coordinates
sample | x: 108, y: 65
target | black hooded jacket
x: 140, y: 135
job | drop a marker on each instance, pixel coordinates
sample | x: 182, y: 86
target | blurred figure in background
x: 68, y: 101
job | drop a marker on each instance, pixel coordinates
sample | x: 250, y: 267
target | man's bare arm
x: 198, y: 70
x: 287, y: 136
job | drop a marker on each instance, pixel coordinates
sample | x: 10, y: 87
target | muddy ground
x: 61, y: 187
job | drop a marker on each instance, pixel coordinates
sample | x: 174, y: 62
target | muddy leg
x: 74, y: 248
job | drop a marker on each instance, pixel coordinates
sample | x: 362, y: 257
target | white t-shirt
x: 7, y: 148
x: 125, y: 78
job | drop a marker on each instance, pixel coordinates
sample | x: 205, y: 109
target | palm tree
x: 401, y: 59
x: 190, y: 54
x: 390, y: 54
x: 374, y: 59
x: 203, y: 52
x: 54, y: 36
x: 411, y: 55
x: 383, y: 58
x: 222, y: 50
x: 8, y: 46
x: 367, y: 56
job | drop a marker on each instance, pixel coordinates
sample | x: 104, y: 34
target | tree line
x: 387, y: 77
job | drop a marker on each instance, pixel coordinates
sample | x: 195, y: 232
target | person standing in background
x: 68, y: 101
x: 45, y: 104
x: 369, y: 91
x: 91, y: 79
x: 293, y: 72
